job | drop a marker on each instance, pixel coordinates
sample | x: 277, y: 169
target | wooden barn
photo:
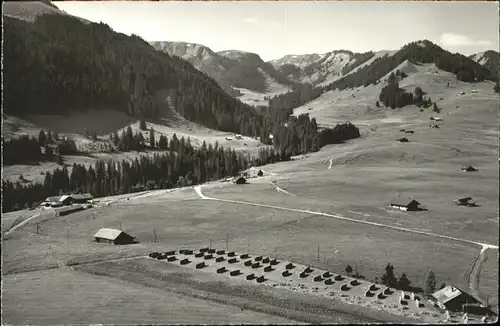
x: 406, y: 204
x: 453, y: 299
x: 113, y: 236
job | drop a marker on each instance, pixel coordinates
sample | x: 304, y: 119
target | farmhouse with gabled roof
x: 117, y: 237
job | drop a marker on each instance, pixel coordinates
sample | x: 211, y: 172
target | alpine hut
x: 452, y: 298
x: 466, y: 201
x: 468, y: 169
x: 116, y: 237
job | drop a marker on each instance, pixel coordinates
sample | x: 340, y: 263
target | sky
x: 277, y: 28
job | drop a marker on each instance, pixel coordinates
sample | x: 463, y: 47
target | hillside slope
x: 30, y: 10
x: 202, y: 58
x: 239, y: 73
x: 57, y: 63
x: 420, y: 52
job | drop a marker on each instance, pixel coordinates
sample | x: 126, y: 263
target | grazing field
x: 65, y: 296
x: 347, y: 194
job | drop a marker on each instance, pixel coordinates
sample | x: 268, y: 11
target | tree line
x: 180, y: 165
x: 26, y: 149
x: 464, y: 68
x: 57, y: 62
x: 402, y: 282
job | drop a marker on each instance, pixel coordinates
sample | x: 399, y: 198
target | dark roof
x: 403, y: 202
x: 110, y: 234
x: 451, y: 292
x: 81, y: 196
x: 447, y: 294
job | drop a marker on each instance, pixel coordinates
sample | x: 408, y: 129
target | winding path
x: 17, y: 226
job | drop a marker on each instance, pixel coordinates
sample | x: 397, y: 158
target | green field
x: 72, y: 297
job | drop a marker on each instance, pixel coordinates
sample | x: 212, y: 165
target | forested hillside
x: 464, y: 68
x: 489, y: 59
x: 178, y: 166
x: 58, y: 64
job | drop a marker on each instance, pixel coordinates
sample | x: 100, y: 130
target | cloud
x: 251, y: 20
x: 451, y: 39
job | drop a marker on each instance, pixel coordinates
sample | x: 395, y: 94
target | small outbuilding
x: 452, y: 298
x: 406, y: 204
x: 466, y: 201
x: 468, y: 169
x: 53, y: 201
x: 240, y: 180
x: 113, y: 236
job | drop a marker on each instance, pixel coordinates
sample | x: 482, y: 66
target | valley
x: 326, y: 209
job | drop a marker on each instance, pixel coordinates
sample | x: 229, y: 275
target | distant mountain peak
x: 232, y: 69
x: 30, y: 10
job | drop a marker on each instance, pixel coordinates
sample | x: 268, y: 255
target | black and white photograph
x: 250, y: 162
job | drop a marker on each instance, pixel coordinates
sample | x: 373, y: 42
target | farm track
x: 475, y: 273
x: 20, y: 224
